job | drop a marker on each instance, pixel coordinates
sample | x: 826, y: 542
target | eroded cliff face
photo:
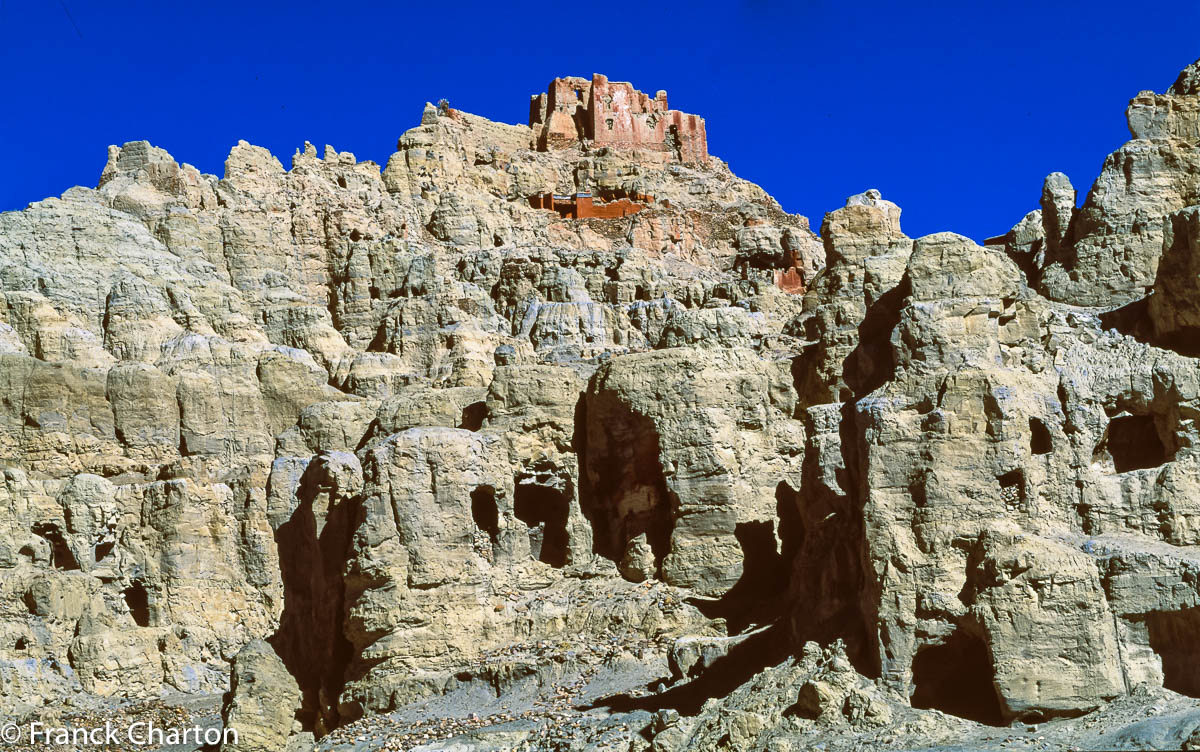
x: 344, y: 442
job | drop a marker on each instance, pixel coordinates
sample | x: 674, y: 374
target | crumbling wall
x: 613, y: 113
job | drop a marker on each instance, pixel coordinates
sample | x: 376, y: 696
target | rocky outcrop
x: 1175, y: 305
x: 263, y: 701
x: 340, y: 443
x: 1107, y: 252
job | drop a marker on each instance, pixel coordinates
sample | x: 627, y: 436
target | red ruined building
x: 613, y: 113
x: 790, y: 279
x: 583, y: 205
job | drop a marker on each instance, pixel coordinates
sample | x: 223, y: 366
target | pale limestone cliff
x: 339, y: 443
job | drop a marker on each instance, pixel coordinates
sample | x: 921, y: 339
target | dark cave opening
x: 473, y: 416
x: 623, y: 492
x: 60, y: 554
x: 544, y: 510
x: 1012, y: 488
x: 1039, y: 437
x: 1173, y: 635
x: 484, y: 511
x: 832, y: 589
x: 102, y: 551
x: 956, y: 678
x: 314, y: 544
x: 759, y: 595
x: 138, y: 601
x: 1133, y: 443
x: 21, y: 644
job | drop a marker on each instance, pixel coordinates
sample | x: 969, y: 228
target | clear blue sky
x: 955, y: 111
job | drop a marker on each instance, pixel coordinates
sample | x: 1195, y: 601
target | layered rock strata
x: 341, y: 443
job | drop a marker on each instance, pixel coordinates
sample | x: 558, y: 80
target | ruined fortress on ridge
x: 600, y: 112
x: 575, y: 111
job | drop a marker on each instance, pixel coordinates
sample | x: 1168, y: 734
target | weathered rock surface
x: 376, y: 451
x: 263, y: 700
x: 1107, y: 252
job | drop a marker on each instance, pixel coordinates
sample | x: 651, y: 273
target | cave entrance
x: 1040, y: 441
x: 623, y: 491
x: 102, y: 551
x: 61, y: 556
x: 484, y: 511
x: 956, y: 678
x: 472, y: 416
x: 1133, y: 443
x: 138, y: 601
x: 1173, y: 636
x: 544, y: 510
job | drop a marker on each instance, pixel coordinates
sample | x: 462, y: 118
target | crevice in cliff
x: 1040, y: 441
x: 833, y: 592
x: 313, y: 546
x: 956, y: 678
x: 870, y: 364
x: 61, y: 556
x: 623, y: 492
x: 484, y: 512
x: 1173, y: 636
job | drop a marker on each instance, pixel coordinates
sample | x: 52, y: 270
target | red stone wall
x: 585, y: 207
x: 561, y: 114
x: 612, y: 210
x: 790, y: 281
x: 613, y: 113
x: 691, y: 138
x: 620, y: 115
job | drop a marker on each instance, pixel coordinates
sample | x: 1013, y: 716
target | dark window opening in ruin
x: 484, y: 512
x: 102, y: 551
x: 1173, y: 637
x: 341, y: 182
x: 609, y: 123
x: 578, y: 94
x: 544, y: 510
x: 21, y: 644
x: 1133, y: 443
x: 27, y: 552
x: 472, y: 416
x: 355, y: 236
x: 956, y: 678
x: 1039, y: 437
x: 60, y: 554
x: 138, y: 601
